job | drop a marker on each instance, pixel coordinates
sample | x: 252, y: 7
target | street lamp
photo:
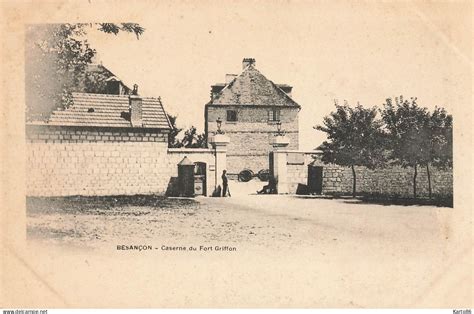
x: 279, y: 132
x: 219, y: 124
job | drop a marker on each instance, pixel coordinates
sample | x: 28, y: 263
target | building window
x: 231, y: 115
x: 274, y: 114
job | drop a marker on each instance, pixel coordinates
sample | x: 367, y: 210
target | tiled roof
x: 252, y: 88
x: 102, y: 110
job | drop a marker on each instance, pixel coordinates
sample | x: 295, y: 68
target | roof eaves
x: 166, y: 114
x: 285, y: 94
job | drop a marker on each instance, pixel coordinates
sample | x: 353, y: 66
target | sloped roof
x: 101, y: 110
x: 252, y: 88
x: 186, y: 162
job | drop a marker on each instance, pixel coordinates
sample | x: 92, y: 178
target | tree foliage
x: 112, y: 28
x: 173, y: 141
x: 57, y: 56
x: 407, y: 125
x: 417, y: 137
x: 407, y: 135
x: 190, y: 139
x: 441, y: 138
x: 354, y: 137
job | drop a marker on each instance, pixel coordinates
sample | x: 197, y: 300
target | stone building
x: 250, y: 106
x: 111, y: 145
x: 96, y: 79
x: 102, y: 144
x: 99, y: 79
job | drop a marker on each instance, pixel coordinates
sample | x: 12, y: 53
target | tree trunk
x: 354, y: 182
x: 429, y: 179
x: 414, y: 181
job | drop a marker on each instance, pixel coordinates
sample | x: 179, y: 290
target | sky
x: 356, y: 51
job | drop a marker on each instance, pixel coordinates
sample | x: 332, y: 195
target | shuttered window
x: 231, y: 115
x: 274, y: 114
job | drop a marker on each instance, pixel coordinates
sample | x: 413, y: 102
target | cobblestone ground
x: 290, y: 251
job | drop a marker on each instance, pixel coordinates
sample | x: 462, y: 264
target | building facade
x: 250, y: 107
x: 111, y: 145
x: 101, y: 145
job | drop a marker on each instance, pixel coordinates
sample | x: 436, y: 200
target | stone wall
x: 297, y: 168
x: 251, y: 135
x: 175, y: 155
x: 87, y: 161
x: 392, y: 180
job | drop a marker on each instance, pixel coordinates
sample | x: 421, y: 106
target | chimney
x: 135, y: 107
x: 229, y: 78
x: 247, y: 61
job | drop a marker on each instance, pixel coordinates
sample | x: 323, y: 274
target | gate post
x: 219, y: 142
x: 279, y: 143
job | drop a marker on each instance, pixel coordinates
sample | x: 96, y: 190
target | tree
x: 56, y: 59
x: 354, y: 137
x: 441, y: 142
x: 191, y: 139
x: 408, y: 130
x: 173, y: 142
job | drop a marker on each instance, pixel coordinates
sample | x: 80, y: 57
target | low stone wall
x: 65, y: 161
x: 391, y: 181
x: 297, y: 168
x: 204, y: 155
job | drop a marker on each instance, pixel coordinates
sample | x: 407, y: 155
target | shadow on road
x: 438, y: 201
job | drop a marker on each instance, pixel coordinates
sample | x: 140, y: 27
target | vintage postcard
x: 236, y: 154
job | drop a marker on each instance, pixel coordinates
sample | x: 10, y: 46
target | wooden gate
x: 315, y: 179
x: 200, y: 178
x: 270, y: 164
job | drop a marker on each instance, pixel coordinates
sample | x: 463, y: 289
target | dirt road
x: 289, y: 251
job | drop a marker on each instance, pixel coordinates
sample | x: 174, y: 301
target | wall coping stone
x: 190, y: 150
x: 314, y: 152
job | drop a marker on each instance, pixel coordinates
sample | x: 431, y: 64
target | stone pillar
x: 219, y: 142
x: 280, y: 143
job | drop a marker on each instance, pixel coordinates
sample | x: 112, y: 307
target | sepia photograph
x: 237, y: 154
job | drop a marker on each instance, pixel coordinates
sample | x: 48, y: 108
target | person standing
x: 225, y: 186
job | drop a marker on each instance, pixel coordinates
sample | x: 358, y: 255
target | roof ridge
x: 97, y: 95
x: 235, y: 78
x: 91, y: 95
x: 281, y: 91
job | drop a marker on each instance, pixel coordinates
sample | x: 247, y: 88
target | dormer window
x: 113, y: 86
x: 274, y: 115
x: 231, y: 116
